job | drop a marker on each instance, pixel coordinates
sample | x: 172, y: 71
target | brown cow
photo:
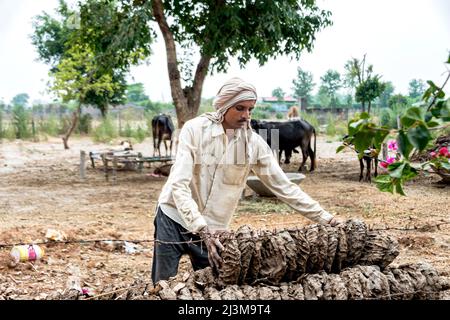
x: 293, y: 113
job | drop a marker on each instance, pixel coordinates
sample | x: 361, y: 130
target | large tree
x: 75, y: 79
x: 416, y: 88
x: 369, y: 90
x: 97, y: 24
x: 120, y: 34
x: 20, y: 99
x: 214, y: 32
x: 303, y: 87
x: 331, y: 83
x: 278, y: 93
x: 136, y: 93
x: 356, y: 73
x: 386, y: 94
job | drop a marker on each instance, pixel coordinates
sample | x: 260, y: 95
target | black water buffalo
x: 370, y: 157
x: 291, y: 134
x: 162, y: 129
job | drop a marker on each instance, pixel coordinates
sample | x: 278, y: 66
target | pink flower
x: 433, y: 154
x: 443, y: 151
x: 390, y: 160
x: 392, y: 145
x: 384, y: 164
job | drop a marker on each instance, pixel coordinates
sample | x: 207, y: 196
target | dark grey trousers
x: 166, y: 257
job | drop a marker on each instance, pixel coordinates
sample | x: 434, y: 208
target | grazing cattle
x: 163, y: 130
x: 370, y: 157
x: 293, y: 113
x: 291, y: 134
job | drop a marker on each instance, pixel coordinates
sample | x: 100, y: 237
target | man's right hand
x: 213, y: 246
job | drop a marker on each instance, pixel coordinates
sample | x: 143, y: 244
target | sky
x: 402, y: 39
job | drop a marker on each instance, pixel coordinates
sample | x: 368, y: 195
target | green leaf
x: 353, y: 127
x: 340, y: 148
x: 362, y: 141
x: 419, y: 137
x: 399, y: 188
x: 409, y: 172
x: 405, y: 147
x: 398, y: 171
x: 384, y: 183
x: 364, y: 115
x: 412, y: 115
x: 446, y: 165
x: 433, y: 123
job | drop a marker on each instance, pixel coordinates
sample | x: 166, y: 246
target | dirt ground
x: 41, y: 189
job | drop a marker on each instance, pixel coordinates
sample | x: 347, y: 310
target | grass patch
x: 262, y: 206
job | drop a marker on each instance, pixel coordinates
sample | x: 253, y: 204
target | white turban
x: 233, y: 91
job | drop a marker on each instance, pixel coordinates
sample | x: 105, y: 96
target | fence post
x: 114, y: 162
x: 82, y: 164
x: 105, y: 166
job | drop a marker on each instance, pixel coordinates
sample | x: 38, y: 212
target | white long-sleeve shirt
x: 210, y: 173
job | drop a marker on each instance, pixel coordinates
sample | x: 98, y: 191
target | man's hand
x: 335, y: 221
x: 213, y: 246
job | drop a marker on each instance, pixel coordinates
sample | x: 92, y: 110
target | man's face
x: 238, y: 115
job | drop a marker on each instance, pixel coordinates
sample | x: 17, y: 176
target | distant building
x: 280, y: 105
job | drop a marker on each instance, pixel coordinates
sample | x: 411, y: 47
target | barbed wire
x: 260, y: 232
x: 153, y: 291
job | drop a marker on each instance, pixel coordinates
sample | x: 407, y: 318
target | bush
x: 279, y: 115
x: 20, y: 122
x: 139, y: 134
x: 330, y: 128
x: 259, y: 114
x: 85, y: 124
x: 50, y: 126
x: 311, y: 118
x: 105, y: 132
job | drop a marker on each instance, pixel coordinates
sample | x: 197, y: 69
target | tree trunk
x: 363, y: 106
x: 187, y: 100
x: 75, y: 117
x: 368, y: 108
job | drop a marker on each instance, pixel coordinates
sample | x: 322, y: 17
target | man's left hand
x: 335, y: 221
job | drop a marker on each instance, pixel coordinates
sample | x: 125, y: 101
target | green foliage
x: 136, y: 93
x: 279, y: 115
x: 311, y: 118
x: 414, y: 134
x: 398, y: 99
x: 106, y: 131
x: 20, y: 99
x: 416, y: 88
x: 50, y: 126
x: 278, y: 93
x: 139, y: 134
x: 303, y: 85
x: 369, y: 90
x: 331, y: 83
x: 259, y: 113
x: 330, y: 128
x: 386, y: 94
x: 268, y: 28
x: 20, y: 119
x: 85, y: 124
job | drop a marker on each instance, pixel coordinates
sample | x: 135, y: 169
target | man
x: 216, y: 152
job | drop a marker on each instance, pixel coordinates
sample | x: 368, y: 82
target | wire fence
x: 273, y: 226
